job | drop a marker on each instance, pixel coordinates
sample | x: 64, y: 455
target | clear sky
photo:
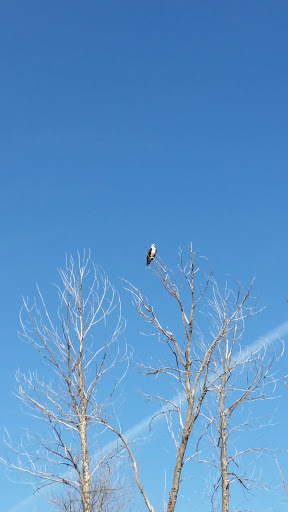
x: 127, y: 123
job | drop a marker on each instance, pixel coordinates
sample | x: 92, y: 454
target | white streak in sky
x: 264, y: 341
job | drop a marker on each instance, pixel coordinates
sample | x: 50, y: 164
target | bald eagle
x: 151, y: 254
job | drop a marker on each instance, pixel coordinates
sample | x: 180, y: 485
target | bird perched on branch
x: 151, y: 254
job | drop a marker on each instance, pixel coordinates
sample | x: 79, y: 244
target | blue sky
x: 126, y: 123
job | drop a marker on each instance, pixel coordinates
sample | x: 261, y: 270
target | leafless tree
x: 84, y: 366
x: 238, y: 377
x: 189, y: 360
x: 198, y: 357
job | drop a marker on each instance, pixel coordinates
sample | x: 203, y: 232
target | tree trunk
x: 86, y: 477
x: 223, y: 441
x: 179, y: 460
x: 225, y: 479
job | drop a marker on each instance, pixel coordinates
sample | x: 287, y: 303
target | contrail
x: 261, y: 342
x: 265, y: 341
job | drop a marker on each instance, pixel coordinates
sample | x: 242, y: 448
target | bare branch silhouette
x: 81, y: 346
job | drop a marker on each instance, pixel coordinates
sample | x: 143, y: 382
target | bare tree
x: 198, y: 357
x: 189, y: 362
x: 238, y: 377
x: 81, y: 348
